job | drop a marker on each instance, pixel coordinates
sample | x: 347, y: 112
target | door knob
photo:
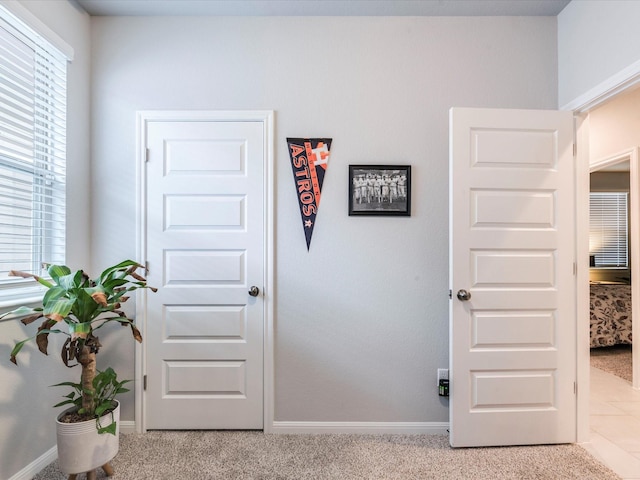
x: 254, y: 291
x: 463, y: 295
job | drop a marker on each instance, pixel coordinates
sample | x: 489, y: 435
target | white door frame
x: 615, y: 85
x: 143, y: 118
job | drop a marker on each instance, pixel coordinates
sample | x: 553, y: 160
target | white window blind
x: 32, y: 149
x: 608, y: 232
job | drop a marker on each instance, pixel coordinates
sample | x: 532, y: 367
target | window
x: 32, y: 150
x: 608, y: 232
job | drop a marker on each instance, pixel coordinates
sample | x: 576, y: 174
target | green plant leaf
x: 16, y: 349
x: 58, y: 308
x: 70, y: 281
x: 20, y: 312
x: 122, y: 266
x: 84, y: 307
x: 18, y: 346
x: 108, y: 429
x: 113, y: 283
x: 80, y: 279
x: 67, y: 384
x: 53, y: 294
x: 103, y: 407
x: 44, y: 282
x: 57, y: 271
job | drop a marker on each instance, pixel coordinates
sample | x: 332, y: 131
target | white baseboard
x: 127, y: 426
x: 373, y: 428
x: 30, y: 471
x: 416, y: 428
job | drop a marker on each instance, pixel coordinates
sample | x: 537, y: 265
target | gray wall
x: 361, y: 321
x: 26, y: 418
x: 596, y: 40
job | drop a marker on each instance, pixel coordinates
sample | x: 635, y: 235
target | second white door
x: 513, y: 286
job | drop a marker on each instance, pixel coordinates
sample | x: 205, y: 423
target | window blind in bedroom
x: 608, y: 229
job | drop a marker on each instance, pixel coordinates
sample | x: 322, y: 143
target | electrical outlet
x: 443, y: 374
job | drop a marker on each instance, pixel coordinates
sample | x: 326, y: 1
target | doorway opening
x: 614, y: 230
x: 613, y: 144
x: 609, y: 140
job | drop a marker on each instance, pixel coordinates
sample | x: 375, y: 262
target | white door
x: 512, y: 277
x: 205, y: 250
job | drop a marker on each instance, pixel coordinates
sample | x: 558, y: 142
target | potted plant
x: 77, y: 306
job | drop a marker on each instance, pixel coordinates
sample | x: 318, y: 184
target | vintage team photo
x: 380, y: 190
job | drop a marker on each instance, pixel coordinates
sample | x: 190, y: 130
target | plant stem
x: 88, y: 361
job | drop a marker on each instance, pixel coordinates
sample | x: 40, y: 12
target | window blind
x: 32, y: 149
x: 608, y: 229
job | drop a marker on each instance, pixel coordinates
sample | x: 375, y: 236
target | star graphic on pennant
x: 308, y: 223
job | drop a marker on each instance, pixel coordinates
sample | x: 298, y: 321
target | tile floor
x: 615, y: 424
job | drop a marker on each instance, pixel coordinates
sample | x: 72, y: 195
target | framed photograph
x: 380, y: 190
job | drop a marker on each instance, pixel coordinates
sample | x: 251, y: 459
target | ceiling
x: 325, y: 7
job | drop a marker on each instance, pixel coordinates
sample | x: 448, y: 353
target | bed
x: 610, y: 314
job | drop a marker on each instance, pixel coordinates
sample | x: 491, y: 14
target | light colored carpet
x: 615, y: 359
x: 255, y: 456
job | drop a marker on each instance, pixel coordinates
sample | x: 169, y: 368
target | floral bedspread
x: 610, y: 314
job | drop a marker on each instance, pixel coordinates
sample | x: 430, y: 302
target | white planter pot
x: 81, y: 448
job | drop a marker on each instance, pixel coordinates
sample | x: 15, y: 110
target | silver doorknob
x: 254, y: 291
x: 463, y: 295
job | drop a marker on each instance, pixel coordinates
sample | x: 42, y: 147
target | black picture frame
x: 380, y: 190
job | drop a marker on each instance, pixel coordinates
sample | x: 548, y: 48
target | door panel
x: 205, y: 248
x: 512, y: 239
